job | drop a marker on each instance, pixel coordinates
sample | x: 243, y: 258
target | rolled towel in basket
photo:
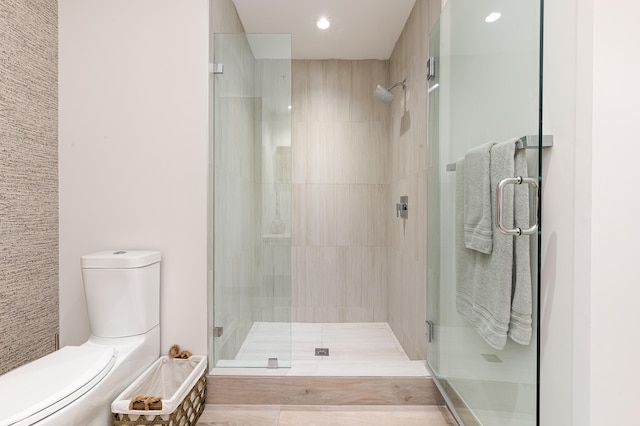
x: 174, y: 352
x: 144, y: 402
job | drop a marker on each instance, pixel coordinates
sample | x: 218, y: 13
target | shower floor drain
x: 322, y: 351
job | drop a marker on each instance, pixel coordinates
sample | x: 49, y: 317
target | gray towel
x: 493, y: 291
x: 521, y: 302
x: 478, y: 234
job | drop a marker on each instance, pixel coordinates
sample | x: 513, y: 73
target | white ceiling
x: 360, y: 29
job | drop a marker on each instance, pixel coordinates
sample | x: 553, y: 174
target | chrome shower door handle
x: 499, y: 208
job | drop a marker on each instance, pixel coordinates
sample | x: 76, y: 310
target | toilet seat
x: 44, y: 386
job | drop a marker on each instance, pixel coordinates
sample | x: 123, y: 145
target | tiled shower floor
x: 355, y: 349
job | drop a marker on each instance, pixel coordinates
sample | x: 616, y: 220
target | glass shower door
x: 486, y: 89
x: 252, y: 201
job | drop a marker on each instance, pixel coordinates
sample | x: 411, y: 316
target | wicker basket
x: 186, y: 413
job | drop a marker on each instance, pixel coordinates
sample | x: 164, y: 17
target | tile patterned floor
x: 273, y: 415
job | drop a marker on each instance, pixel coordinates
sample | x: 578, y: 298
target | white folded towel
x: 493, y: 291
x: 478, y: 234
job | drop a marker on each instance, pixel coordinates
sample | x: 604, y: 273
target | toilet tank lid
x: 120, y: 259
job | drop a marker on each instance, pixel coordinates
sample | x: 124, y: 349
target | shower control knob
x: 402, y: 208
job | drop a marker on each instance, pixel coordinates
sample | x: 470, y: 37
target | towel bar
x: 524, y: 142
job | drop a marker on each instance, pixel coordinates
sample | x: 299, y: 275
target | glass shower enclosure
x: 485, y: 88
x: 251, y: 173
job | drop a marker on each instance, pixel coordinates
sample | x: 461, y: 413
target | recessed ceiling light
x: 323, y: 23
x: 493, y: 17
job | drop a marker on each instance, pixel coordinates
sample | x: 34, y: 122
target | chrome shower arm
x: 402, y: 83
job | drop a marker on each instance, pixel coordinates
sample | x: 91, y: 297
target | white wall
x: 133, y: 78
x: 615, y: 290
x: 561, y: 226
x: 590, y: 284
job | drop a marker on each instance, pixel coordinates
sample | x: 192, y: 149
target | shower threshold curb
x: 310, y: 390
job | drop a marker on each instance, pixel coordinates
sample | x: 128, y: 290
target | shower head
x: 385, y: 95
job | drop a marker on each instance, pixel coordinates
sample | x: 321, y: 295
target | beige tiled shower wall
x: 406, y: 252
x: 340, y: 183
x: 353, y: 157
x: 28, y: 180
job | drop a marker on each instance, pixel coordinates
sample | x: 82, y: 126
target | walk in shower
x: 305, y: 231
x: 486, y: 87
x: 336, y: 217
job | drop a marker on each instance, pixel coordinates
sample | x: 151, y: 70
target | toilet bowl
x: 76, y: 384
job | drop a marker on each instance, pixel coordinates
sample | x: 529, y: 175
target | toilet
x: 76, y: 384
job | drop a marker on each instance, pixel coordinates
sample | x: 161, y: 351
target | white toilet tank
x: 122, y: 290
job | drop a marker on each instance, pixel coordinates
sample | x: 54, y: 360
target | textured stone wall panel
x: 28, y: 180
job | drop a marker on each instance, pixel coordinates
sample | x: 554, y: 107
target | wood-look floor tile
x: 364, y: 415
x: 306, y: 415
x: 300, y: 390
x: 240, y: 415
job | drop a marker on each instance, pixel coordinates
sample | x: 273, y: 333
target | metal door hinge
x: 216, y: 68
x: 431, y: 67
x: 429, y: 332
